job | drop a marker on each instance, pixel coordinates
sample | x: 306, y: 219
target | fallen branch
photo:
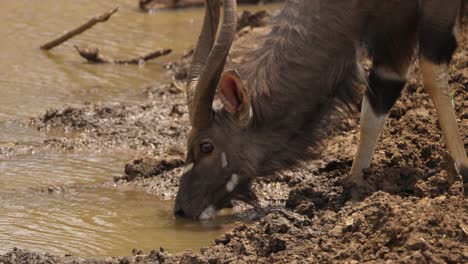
x: 70, y: 34
x: 154, y: 5
x: 93, y: 55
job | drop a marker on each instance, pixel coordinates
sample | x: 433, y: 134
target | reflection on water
x: 80, y: 220
x: 14, y: 132
x: 35, y: 171
x: 95, y: 222
x: 85, y: 220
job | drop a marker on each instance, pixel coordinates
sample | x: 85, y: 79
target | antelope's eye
x: 206, y: 147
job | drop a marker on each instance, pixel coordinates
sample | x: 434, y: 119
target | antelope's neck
x: 295, y: 77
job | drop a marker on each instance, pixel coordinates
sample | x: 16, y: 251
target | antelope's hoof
x: 355, y: 188
x: 464, y: 174
x: 352, y: 180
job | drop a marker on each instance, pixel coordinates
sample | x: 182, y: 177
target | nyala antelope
x: 274, y: 104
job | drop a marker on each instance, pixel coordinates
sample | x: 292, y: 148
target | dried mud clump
x: 149, y: 167
x: 118, y: 126
x: 383, y: 227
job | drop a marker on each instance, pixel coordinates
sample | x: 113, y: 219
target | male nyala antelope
x: 273, y: 105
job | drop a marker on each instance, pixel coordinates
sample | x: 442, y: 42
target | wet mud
x: 414, y: 210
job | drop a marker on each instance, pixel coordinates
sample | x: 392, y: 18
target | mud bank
x: 415, y: 211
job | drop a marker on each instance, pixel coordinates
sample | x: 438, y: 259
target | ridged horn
x: 209, y: 59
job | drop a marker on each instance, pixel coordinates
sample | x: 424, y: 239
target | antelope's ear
x: 234, y: 96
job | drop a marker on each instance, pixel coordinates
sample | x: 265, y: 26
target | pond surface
x: 32, y: 80
x: 76, y: 217
x: 39, y: 213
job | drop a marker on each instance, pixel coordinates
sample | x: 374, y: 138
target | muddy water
x: 83, y: 219
x: 32, y: 81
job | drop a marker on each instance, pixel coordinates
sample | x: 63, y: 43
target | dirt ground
x: 415, y: 211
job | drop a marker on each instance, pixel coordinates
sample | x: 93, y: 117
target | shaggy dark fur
x: 304, y: 78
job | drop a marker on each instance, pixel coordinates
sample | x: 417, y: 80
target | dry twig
x: 70, y: 34
x: 93, y: 55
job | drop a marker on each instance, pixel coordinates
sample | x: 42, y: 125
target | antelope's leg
x: 370, y: 124
x: 384, y: 89
x: 437, y: 43
x: 435, y: 79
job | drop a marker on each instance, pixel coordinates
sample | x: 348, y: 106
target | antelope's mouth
x: 242, y: 193
x: 208, y: 213
x: 212, y: 210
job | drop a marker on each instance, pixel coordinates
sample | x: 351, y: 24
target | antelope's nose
x: 178, y: 212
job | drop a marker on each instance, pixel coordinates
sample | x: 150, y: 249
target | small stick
x: 154, y: 5
x: 146, y: 57
x: 93, y: 55
x: 70, y: 34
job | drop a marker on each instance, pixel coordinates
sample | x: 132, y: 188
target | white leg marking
x: 435, y: 79
x: 224, y: 162
x: 232, y: 183
x: 208, y: 213
x: 188, y: 167
x: 370, y: 126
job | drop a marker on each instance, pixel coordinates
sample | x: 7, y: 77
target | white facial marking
x: 188, y: 168
x: 232, y: 183
x: 223, y: 160
x: 208, y: 213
